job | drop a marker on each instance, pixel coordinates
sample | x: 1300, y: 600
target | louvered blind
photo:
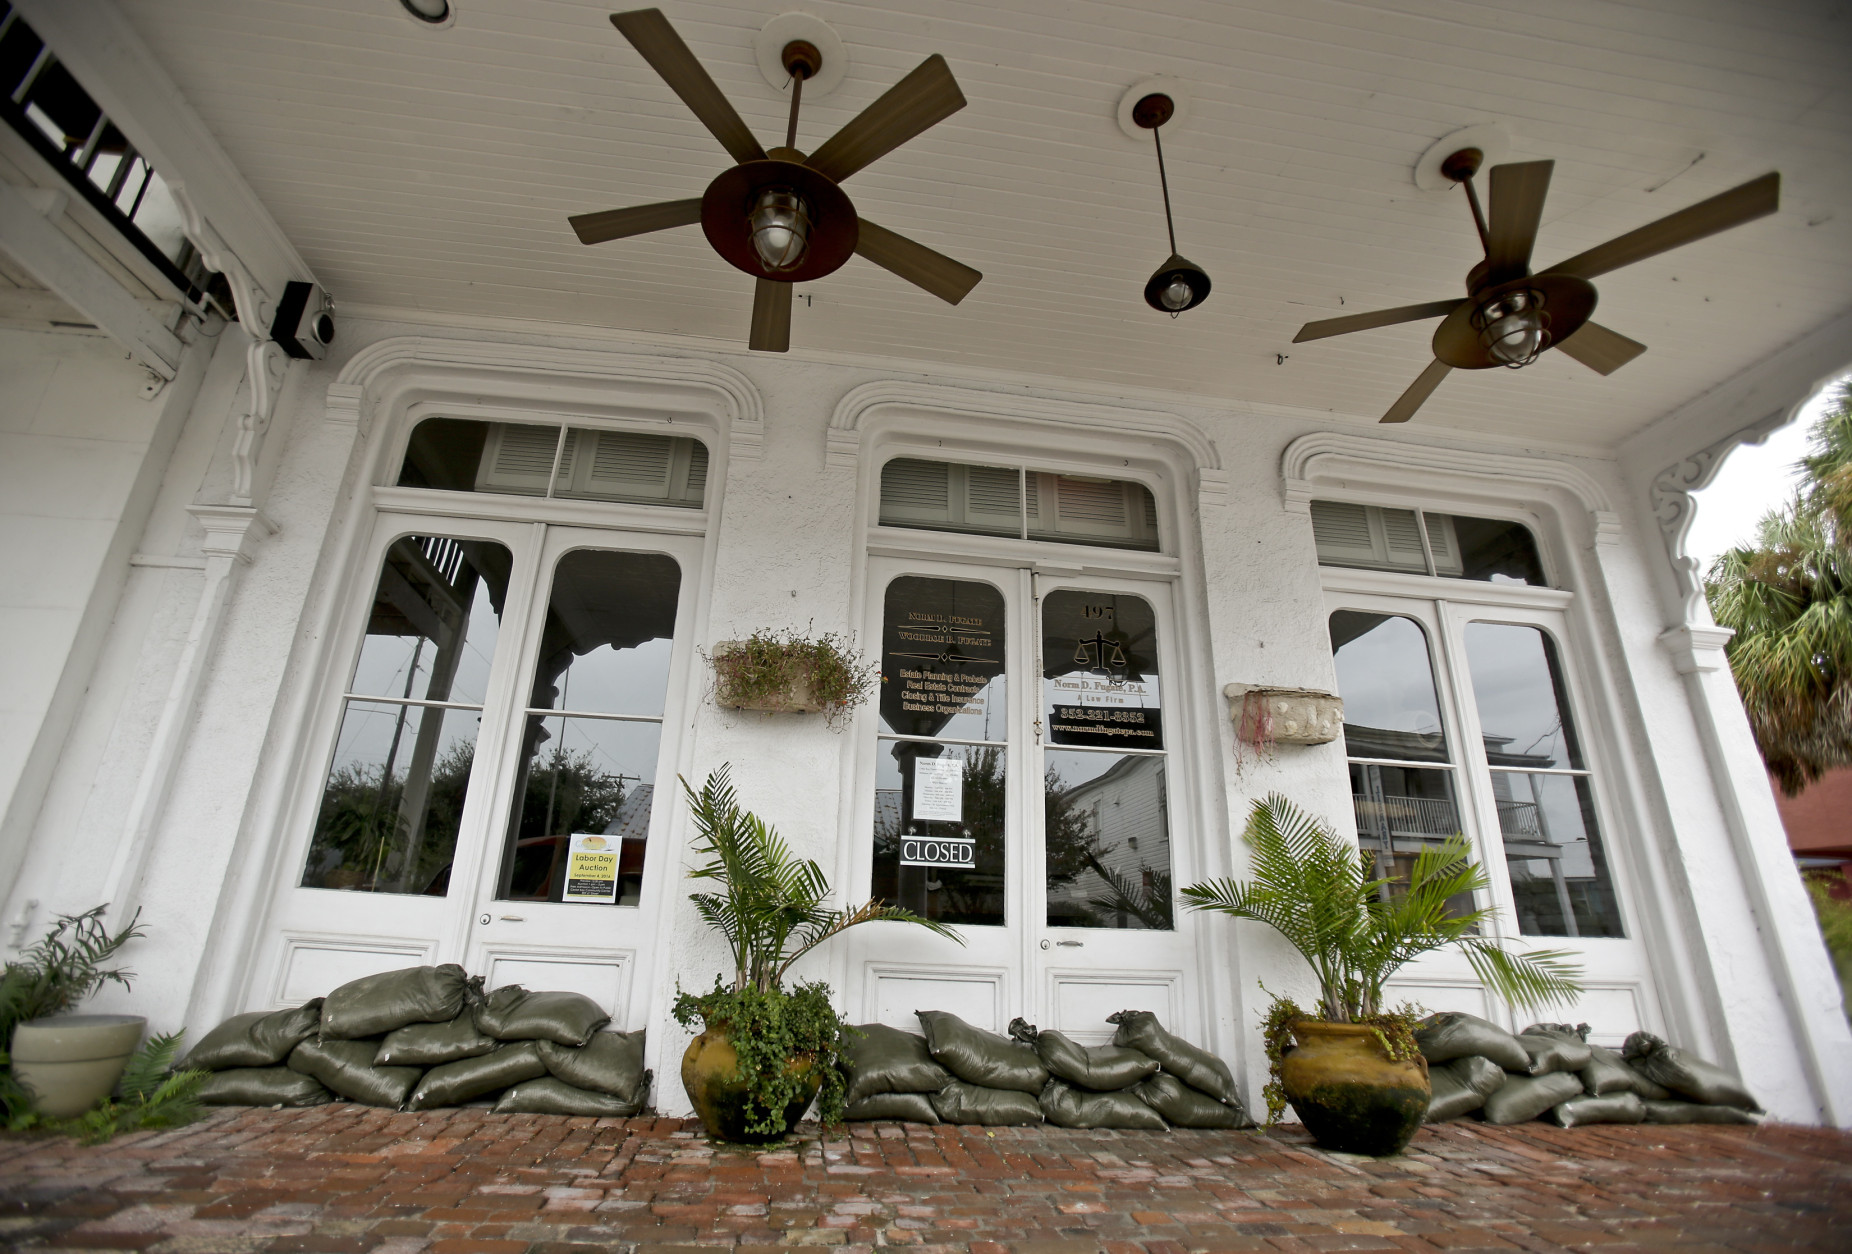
x: 593, y: 465
x: 914, y: 491
x: 1379, y: 538
x: 517, y: 458
x: 949, y: 496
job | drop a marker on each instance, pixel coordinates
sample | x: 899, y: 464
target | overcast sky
x: 1754, y: 480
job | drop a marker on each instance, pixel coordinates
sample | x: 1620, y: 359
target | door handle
x: 514, y: 918
x: 1071, y: 944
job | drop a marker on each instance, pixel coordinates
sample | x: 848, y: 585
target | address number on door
x: 918, y: 851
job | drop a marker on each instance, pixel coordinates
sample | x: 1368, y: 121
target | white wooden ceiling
x: 433, y: 170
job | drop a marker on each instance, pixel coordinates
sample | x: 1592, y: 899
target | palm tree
x: 1789, y: 599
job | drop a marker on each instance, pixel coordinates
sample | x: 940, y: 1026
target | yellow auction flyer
x: 591, y: 868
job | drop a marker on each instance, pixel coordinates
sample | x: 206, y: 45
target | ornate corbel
x: 1674, y: 508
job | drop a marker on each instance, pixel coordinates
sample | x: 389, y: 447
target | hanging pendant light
x: 1179, y: 283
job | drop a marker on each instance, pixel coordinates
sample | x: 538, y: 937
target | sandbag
x: 262, y: 1038
x: 1567, y: 1031
x: 433, y: 1044
x: 1522, y: 1098
x: 511, y: 1013
x: 1100, y: 1068
x: 1454, y: 1034
x: 879, y: 1059
x: 1551, y: 1054
x: 911, y: 1107
x: 377, y: 1004
x: 262, y: 1086
x: 456, y: 1082
x: 1187, y: 1107
x: 981, y: 1058
x: 611, y: 1062
x: 1196, y: 1067
x: 1068, y: 1107
x: 1649, y: 1089
x: 959, y: 1102
x: 347, y: 1068
x: 1695, y: 1112
x: 1461, y: 1087
x: 1589, y: 1108
x: 550, y: 1095
x: 1686, y: 1074
x: 1478, y: 1073
x: 1608, y: 1072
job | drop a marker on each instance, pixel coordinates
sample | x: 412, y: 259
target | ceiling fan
x: 780, y: 215
x: 1511, y: 316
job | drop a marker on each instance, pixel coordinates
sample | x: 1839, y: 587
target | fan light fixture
x: 1179, y: 284
x: 435, y: 12
x: 780, y: 225
x: 1513, y: 327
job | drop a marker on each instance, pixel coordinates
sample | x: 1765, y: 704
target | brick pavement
x: 348, y: 1178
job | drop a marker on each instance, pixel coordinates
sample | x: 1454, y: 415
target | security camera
x: 304, y: 324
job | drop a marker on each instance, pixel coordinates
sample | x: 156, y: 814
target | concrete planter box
x: 1287, y: 716
x: 71, y: 1062
x: 794, y: 698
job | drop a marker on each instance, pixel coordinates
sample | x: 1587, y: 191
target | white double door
x: 482, y: 778
x: 1019, y: 787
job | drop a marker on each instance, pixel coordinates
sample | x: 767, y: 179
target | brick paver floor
x: 347, y: 1178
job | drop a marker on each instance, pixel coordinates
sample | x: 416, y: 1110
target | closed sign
x: 929, y: 851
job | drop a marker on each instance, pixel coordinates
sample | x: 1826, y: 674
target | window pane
x: 1106, y: 833
x: 628, y: 466
x: 1100, y: 670
x: 589, y: 776
x: 1114, y: 513
x: 1559, y: 874
x: 464, y: 455
x: 517, y: 459
x: 435, y: 617
x: 1402, y: 810
x: 1377, y: 538
x: 947, y: 496
x: 390, y: 808
x: 1387, y: 682
x: 1367, y: 536
x: 1518, y: 687
x: 609, y: 633
x: 939, y: 830
x: 1485, y: 549
x: 942, y: 659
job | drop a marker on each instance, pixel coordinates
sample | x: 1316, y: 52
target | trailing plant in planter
x: 1351, y: 1070
x: 786, y: 672
x: 764, y: 1052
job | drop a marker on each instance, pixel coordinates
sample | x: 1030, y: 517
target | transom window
x: 567, y: 463
x: 1453, y: 546
x: 1021, y: 504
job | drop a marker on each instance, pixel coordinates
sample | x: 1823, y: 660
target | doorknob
x: 1044, y: 944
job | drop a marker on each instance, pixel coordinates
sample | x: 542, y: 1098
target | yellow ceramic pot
x: 710, y: 1076
x: 1347, y: 1090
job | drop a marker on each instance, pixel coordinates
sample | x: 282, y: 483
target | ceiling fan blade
x: 1418, y: 391
x: 1518, y: 190
x: 919, y: 265
x: 1379, y: 318
x: 649, y: 33
x: 771, y: 317
x: 922, y: 99
x: 596, y: 228
x: 1754, y: 199
x: 1600, y: 349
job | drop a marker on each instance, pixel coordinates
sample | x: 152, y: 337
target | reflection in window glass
x: 1100, y: 670
x: 942, y: 660
x: 940, y: 831
x: 590, y: 778
x: 393, y: 800
x: 529, y: 459
x: 1106, y: 840
x: 1387, y: 682
x: 1546, y: 813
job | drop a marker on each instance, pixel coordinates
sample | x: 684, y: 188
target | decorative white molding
x: 853, y: 413
x: 1695, y: 649
x: 231, y: 530
x: 344, y: 406
x: 1674, y: 509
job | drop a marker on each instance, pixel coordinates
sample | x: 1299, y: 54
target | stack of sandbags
x: 889, y: 1074
x: 427, y: 1037
x: 1550, y: 1069
x: 995, y: 1081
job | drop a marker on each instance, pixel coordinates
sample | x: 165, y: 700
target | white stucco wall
x: 786, y: 552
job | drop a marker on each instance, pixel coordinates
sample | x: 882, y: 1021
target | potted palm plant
x: 764, y: 1053
x: 1351, y: 1070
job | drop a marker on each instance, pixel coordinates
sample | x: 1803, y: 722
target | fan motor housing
x: 729, y: 200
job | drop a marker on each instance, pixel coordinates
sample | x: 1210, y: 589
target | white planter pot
x: 71, y: 1062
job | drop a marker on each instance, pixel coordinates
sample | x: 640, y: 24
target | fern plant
x: 151, y: 1094
x: 1320, y: 893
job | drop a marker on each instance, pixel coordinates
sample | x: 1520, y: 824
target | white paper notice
x: 939, y: 789
x: 591, y: 868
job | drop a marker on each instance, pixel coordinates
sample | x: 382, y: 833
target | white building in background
x: 323, y: 664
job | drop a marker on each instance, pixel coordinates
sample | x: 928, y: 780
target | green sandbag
x: 1609, y: 1108
x: 1099, y: 1068
x: 1548, y: 1055
x: 377, y: 1004
x: 1686, y: 1074
x: 456, y: 1082
x: 1196, y: 1067
x: 1068, y: 1107
x: 1461, y: 1087
x: 1649, y: 1089
x: 959, y: 1102
x: 881, y: 1060
x: 1607, y: 1072
x: 1477, y: 1073
x: 1454, y: 1034
x: 511, y: 1013
x: 1522, y: 1098
x: 262, y: 1038
x: 551, y: 1096
x: 433, y: 1044
x: 262, y: 1086
x: 609, y: 1063
x: 347, y: 1068
x: 1187, y: 1107
x: 910, y: 1107
x: 1696, y: 1112
x: 982, y: 1058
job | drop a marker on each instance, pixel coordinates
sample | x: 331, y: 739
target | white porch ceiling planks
x: 434, y: 170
